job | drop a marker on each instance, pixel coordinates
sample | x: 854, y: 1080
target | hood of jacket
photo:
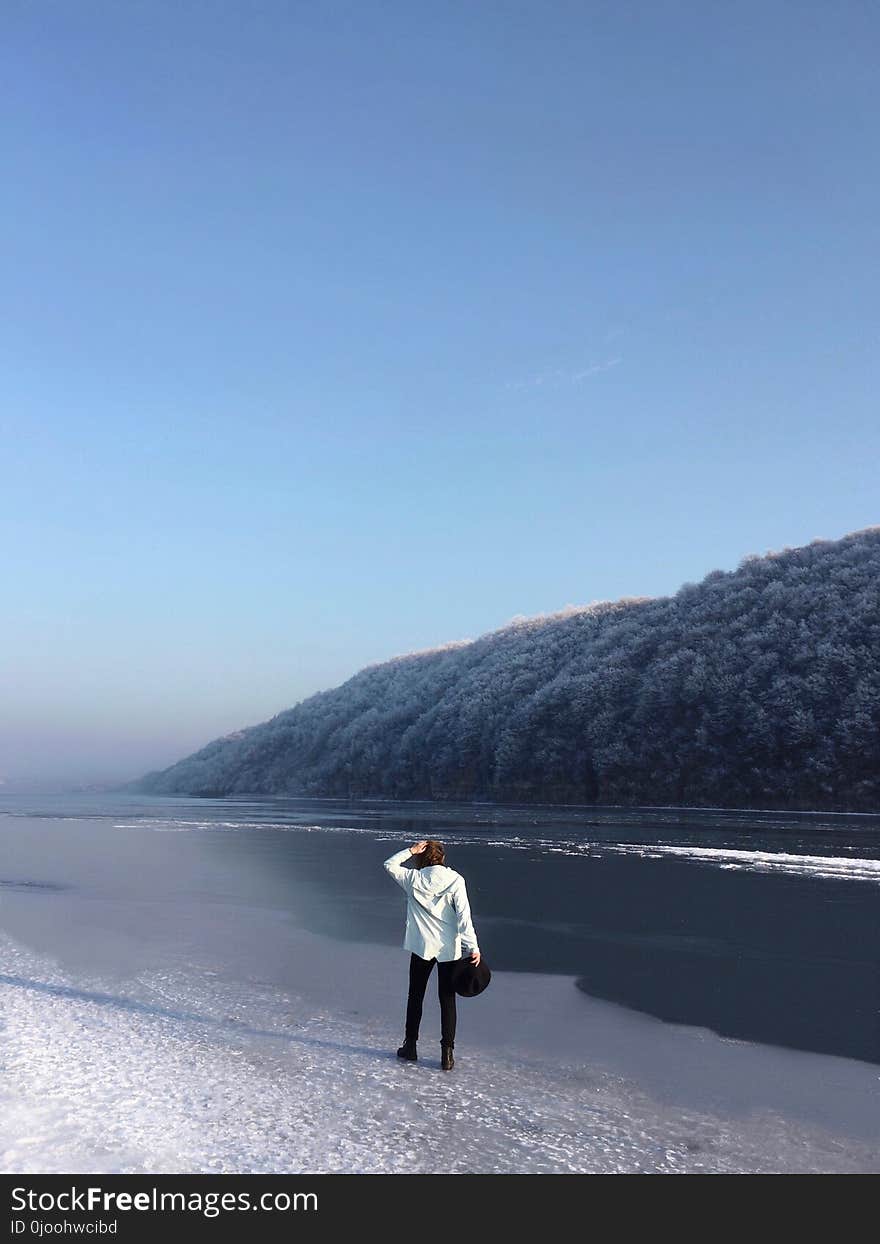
x: 432, y: 885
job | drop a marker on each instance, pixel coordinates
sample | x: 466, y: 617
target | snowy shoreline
x: 185, y: 1070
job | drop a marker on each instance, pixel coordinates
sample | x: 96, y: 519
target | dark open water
x: 760, y: 926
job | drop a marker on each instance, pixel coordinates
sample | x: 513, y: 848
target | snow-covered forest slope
x: 758, y: 687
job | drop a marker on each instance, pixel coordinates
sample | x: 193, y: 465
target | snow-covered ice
x: 859, y: 868
x: 186, y: 1070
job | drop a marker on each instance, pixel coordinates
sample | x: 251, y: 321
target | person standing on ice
x: 439, y: 930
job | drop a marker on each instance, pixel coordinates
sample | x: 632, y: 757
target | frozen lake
x: 218, y: 985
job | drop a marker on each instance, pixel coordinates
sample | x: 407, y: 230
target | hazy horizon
x: 337, y: 333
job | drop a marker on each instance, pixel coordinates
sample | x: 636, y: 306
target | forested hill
x: 758, y: 687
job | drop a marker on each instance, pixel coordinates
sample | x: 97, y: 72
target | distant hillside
x: 758, y: 687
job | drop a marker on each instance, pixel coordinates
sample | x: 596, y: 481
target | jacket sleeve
x: 394, y: 867
x: 466, y: 929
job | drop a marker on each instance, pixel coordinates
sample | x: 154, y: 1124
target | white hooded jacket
x: 438, y: 914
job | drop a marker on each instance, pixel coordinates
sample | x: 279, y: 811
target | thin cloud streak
x: 563, y: 377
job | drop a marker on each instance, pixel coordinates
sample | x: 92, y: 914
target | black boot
x: 447, y: 1062
x: 408, y: 1050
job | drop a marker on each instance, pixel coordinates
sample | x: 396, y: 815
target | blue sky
x: 334, y: 331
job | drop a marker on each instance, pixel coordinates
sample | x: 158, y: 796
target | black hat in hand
x: 469, y: 978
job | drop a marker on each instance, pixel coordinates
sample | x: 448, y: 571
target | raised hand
x: 418, y: 847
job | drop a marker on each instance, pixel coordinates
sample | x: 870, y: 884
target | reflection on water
x: 762, y: 926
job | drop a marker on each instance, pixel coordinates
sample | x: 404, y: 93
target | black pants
x: 419, y: 971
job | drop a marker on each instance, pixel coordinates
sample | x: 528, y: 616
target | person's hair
x: 434, y: 853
